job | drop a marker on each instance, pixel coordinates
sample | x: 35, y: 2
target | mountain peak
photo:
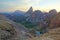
x: 38, y: 11
x: 18, y: 11
x: 30, y: 9
x: 29, y: 12
x: 53, y: 11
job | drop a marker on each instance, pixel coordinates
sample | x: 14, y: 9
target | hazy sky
x: 45, y: 5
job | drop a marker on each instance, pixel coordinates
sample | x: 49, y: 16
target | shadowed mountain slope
x: 10, y: 30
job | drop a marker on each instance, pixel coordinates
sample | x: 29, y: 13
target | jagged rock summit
x: 29, y: 12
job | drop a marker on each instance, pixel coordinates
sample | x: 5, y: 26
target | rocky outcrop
x: 29, y: 12
x: 55, y: 21
x: 35, y: 17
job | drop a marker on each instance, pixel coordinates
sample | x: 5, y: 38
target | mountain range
x: 36, y: 19
x: 21, y: 25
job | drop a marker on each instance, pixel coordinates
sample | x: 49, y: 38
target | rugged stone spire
x: 29, y: 12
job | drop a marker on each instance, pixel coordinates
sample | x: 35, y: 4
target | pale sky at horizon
x: 45, y: 5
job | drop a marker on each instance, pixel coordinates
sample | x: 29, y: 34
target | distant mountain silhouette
x: 16, y: 16
x: 18, y: 12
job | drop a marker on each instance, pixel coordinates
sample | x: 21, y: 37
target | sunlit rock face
x: 55, y: 21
